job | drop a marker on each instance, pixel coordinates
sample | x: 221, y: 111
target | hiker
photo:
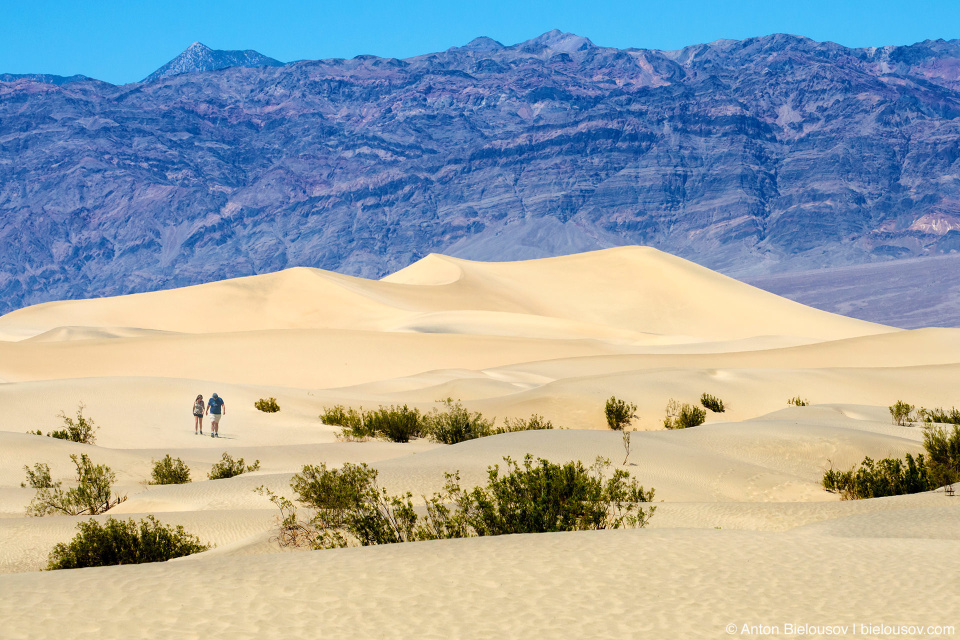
x: 216, y: 408
x: 198, y: 415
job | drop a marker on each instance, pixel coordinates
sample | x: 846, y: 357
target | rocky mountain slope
x: 199, y: 57
x: 769, y: 154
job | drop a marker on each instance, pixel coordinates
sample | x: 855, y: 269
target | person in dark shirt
x: 216, y: 408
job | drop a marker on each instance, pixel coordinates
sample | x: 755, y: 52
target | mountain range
x: 766, y: 155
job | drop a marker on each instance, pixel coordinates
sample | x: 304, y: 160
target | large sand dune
x: 744, y: 533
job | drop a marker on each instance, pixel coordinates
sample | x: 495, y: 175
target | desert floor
x: 743, y: 534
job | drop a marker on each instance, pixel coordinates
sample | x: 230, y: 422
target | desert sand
x: 743, y: 534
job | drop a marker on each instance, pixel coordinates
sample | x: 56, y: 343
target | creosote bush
x: 228, y: 467
x: 267, y: 405
x: 713, y: 403
x: 93, y: 494
x: 450, y: 425
x: 123, y: 542
x: 797, y: 401
x: 455, y: 424
x: 939, y: 416
x: 170, y: 471
x: 350, y: 508
x: 535, y: 422
x: 683, y: 416
x: 900, y: 412
x: 887, y: 477
x: 619, y: 413
x: 893, y: 476
x: 81, y: 429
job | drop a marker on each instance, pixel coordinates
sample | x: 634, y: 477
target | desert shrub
x: 81, y: 429
x: 397, y: 424
x: 534, y: 423
x: 900, y: 412
x: 535, y: 496
x: 267, y: 405
x: 887, y: 477
x: 228, y: 467
x: 455, y: 424
x: 350, y: 419
x: 619, y: 413
x: 170, y: 471
x: 540, y: 496
x: 943, y: 454
x: 940, y: 416
x: 123, y: 542
x: 92, y: 495
x: 797, y: 401
x: 713, y: 403
x: 683, y: 416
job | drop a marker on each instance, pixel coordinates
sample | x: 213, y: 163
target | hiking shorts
x: 215, y: 418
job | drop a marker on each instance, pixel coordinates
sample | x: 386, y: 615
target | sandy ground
x: 743, y: 534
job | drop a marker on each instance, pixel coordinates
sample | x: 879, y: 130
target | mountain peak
x: 200, y: 57
x: 559, y: 41
x: 483, y: 43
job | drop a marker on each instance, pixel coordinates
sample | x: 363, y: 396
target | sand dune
x: 743, y: 532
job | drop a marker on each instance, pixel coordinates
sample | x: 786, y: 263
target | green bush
x: 268, y: 405
x: 228, y: 467
x: 533, y: 497
x: 619, y: 413
x: 683, y: 416
x: 534, y: 423
x: 943, y: 454
x: 396, y: 424
x: 455, y: 424
x: 170, y: 471
x: 900, y: 412
x: 892, y: 476
x: 713, y: 403
x: 350, y: 419
x: 887, y: 477
x: 93, y: 494
x: 797, y: 401
x: 536, y: 497
x: 81, y: 429
x: 940, y: 416
x: 123, y: 542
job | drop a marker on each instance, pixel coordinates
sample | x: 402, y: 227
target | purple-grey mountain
x: 769, y: 154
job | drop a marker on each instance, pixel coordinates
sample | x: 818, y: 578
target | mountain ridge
x: 768, y: 154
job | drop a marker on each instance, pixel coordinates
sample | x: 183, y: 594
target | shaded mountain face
x: 767, y: 154
x: 199, y: 57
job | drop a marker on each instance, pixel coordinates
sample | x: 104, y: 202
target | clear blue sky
x: 123, y: 41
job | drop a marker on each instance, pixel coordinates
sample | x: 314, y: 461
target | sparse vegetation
x: 534, y: 423
x: 449, y: 425
x: 900, y: 412
x: 93, y: 494
x: 228, y: 467
x: 267, y: 405
x: 943, y: 454
x: 531, y: 497
x: 80, y: 429
x: 939, y: 416
x: 455, y: 424
x: 713, y: 403
x: 893, y: 476
x: 170, y: 471
x: 123, y: 542
x: 797, y: 401
x: 683, y: 416
x: 619, y: 413
x: 887, y: 477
